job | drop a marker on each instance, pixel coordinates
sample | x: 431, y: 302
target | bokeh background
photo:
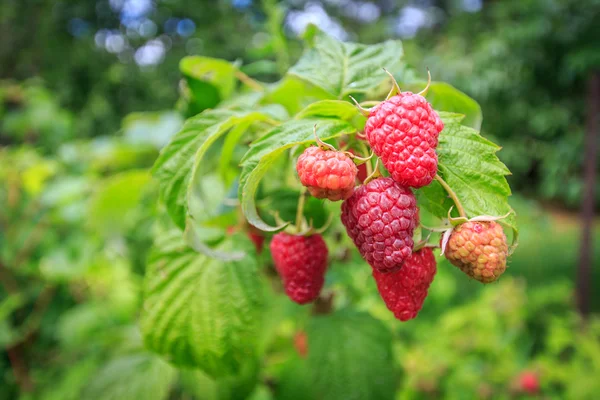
x: 88, y: 95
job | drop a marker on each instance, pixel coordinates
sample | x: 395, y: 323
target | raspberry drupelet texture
x: 404, y: 291
x: 327, y: 174
x: 479, y: 249
x: 403, y: 131
x: 380, y: 218
x: 301, y: 262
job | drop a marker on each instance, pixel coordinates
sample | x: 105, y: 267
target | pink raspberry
x: 327, y: 174
x: 403, y: 131
x: 301, y: 262
x: 404, y: 291
x: 380, y: 219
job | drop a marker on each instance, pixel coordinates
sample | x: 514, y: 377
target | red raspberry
x: 257, y: 239
x: 479, y: 249
x: 301, y: 262
x: 327, y: 174
x: 380, y: 219
x: 404, y: 291
x: 403, y: 131
x: 529, y: 382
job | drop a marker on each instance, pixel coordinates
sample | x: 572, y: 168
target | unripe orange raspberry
x: 479, y: 249
x: 327, y: 174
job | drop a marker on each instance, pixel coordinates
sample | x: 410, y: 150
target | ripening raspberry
x: 405, y: 290
x: 301, y: 262
x: 327, y: 174
x: 479, y: 249
x: 380, y: 218
x: 403, y: 131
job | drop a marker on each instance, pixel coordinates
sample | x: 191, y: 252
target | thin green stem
x: 300, y: 210
x: 457, y: 203
x: 246, y: 80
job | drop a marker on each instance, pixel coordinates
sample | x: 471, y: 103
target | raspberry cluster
x: 381, y: 214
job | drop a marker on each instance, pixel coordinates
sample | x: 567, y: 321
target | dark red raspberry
x: 404, y: 291
x: 327, y: 174
x: 528, y: 382
x: 479, y: 249
x: 403, y: 131
x: 301, y: 262
x: 380, y: 219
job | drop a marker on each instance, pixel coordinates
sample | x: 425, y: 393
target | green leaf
x: 238, y: 387
x: 265, y: 151
x: 199, y: 312
x: 468, y: 163
x: 294, y: 94
x: 344, y: 68
x: 136, y: 376
x: 445, y: 97
x: 350, y: 357
x: 115, y: 199
x: 175, y: 164
x: 210, y: 80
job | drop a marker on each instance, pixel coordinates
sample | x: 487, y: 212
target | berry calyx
x: 380, y: 218
x: 479, y: 249
x: 404, y: 291
x: 301, y: 262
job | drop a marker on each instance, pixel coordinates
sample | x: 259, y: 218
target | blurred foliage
x: 78, y: 211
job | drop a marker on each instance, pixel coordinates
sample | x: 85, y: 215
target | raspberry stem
x: 457, y: 203
x: 300, y: 210
x: 246, y: 80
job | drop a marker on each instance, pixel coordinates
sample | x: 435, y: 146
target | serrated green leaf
x: 136, y: 376
x: 344, y: 68
x: 264, y: 152
x: 350, y: 357
x: 469, y: 165
x: 175, y: 164
x: 330, y: 109
x: 199, y: 312
x: 445, y: 97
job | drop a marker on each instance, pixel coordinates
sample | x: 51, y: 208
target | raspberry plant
x: 231, y: 175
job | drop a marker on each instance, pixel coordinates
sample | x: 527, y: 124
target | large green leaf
x: 469, y: 165
x: 136, y: 376
x: 350, y: 357
x: 344, y: 68
x: 445, y: 97
x: 209, y: 80
x: 200, y: 312
x: 265, y: 151
x: 175, y: 164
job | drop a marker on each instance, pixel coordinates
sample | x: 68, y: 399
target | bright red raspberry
x: 380, y: 219
x: 403, y: 131
x: 327, y: 174
x: 301, y: 262
x: 404, y: 291
x: 479, y: 249
x: 529, y: 382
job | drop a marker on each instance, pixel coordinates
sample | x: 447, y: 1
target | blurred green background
x: 88, y: 97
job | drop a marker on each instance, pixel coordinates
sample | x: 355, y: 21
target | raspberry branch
x: 457, y: 203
